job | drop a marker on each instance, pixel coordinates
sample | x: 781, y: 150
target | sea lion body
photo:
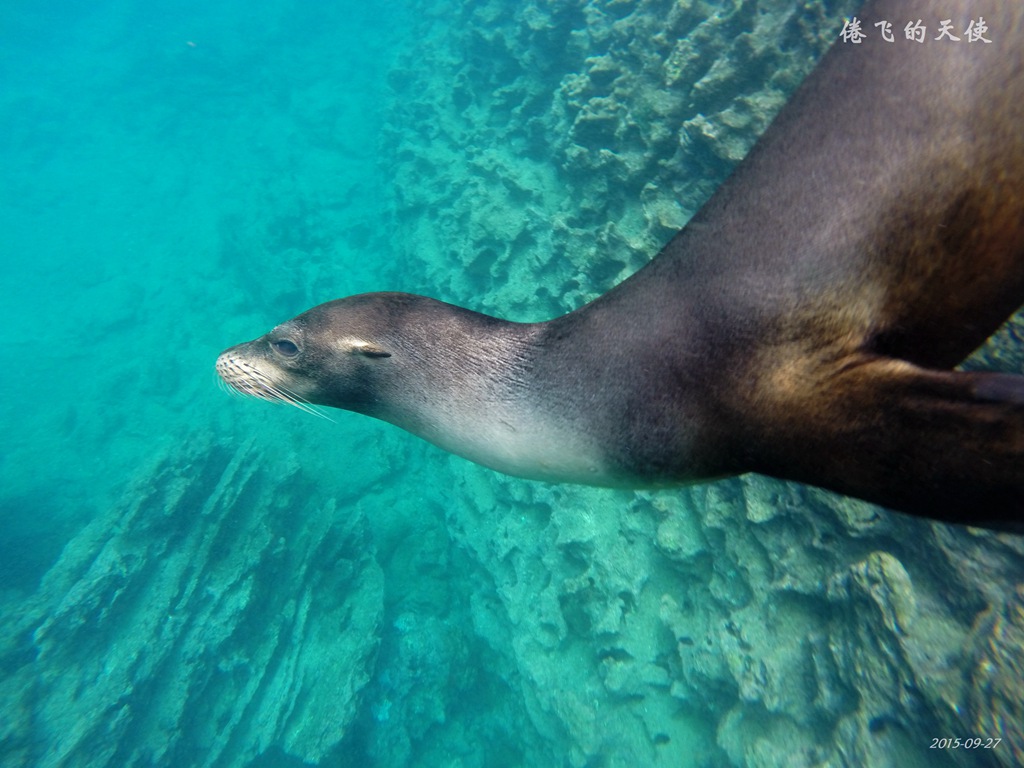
x: 802, y: 325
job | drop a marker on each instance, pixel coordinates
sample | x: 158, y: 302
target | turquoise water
x: 170, y: 172
x: 188, y: 579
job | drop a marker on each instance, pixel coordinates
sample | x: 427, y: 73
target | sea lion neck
x: 573, y: 399
x: 479, y: 386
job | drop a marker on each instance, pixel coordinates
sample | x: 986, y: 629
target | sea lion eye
x: 286, y: 347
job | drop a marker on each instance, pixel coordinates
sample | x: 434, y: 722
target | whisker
x: 225, y: 387
x: 301, y: 403
x: 243, y: 380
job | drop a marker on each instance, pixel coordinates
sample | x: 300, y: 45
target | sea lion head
x: 329, y: 355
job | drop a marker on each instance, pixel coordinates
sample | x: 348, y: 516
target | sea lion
x: 803, y: 325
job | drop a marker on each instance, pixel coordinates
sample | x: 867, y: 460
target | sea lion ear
x: 367, y: 349
x: 361, y: 347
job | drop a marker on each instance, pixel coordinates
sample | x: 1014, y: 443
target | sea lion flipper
x: 940, y: 444
x: 1000, y: 387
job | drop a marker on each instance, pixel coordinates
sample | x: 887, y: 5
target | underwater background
x: 188, y: 579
